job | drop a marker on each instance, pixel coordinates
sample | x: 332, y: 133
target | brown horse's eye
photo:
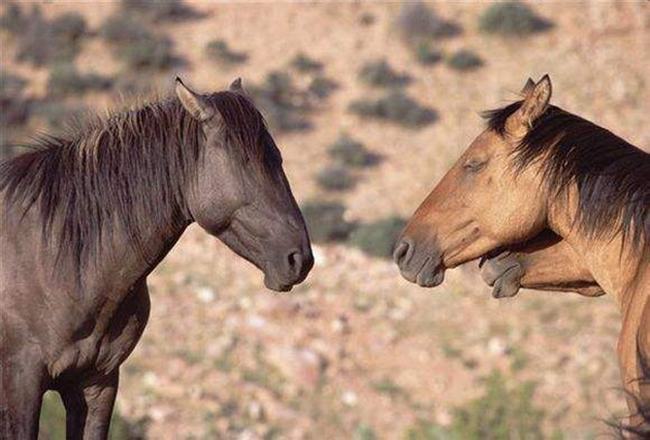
x: 474, y: 165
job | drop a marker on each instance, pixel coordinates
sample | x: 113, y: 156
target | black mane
x: 128, y: 169
x: 612, y: 175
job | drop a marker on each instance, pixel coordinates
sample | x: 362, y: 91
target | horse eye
x: 474, y: 165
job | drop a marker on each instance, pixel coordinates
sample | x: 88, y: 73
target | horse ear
x: 236, y: 86
x: 194, y: 103
x: 528, y: 87
x: 534, y: 105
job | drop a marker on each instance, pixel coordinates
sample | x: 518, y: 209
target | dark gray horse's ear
x: 194, y: 103
x: 236, y: 85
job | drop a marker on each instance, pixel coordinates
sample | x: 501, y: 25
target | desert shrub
x: 64, y: 79
x: 135, y: 45
x: 424, y: 430
x: 161, y: 10
x: 69, y: 26
x: 426, y: 54
x: 502, y: 412
x: 154, y: 53
x: 378, y: 238
x: 325, y: 221
x: 44, y: 42
x: 335, y: 178
x: 464, y: 60
x: 417, y: 21
x: 52, y: 422
x: 380, y: 74
x: 303, y: 63
x: 348, y: 151
x: 512, y: 18
x: 284, y: 105
x: 14, y: 108
x: 364, y: 432
x: 13, y: 19
x: 395, y: 107
x: 122, y: 28
x: 322, y: 87
x: 219, y: 51
x: 58, y: 114
x: 11, y: 85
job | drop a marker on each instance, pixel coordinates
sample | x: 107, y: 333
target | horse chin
x: 430, y: 277
x: 276, y: 285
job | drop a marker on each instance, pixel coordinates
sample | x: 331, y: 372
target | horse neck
x: 620, y: 268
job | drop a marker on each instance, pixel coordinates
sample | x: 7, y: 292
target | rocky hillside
x: 370, y: 103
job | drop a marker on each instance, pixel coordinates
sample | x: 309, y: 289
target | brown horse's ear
x: 192, y: 102
x: 534, y: 105
x: 236, y: 86
x: 528, y: 87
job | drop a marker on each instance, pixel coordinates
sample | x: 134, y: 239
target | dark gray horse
x: 85, y: 218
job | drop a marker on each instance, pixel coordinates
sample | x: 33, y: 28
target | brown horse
x: 86, y: 217
x: 537, y: 166
x: 544, y: 263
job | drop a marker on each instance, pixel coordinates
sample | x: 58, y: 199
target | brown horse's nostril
x: 402, y: 252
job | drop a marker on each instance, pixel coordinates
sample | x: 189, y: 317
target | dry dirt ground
x: 356, y: 347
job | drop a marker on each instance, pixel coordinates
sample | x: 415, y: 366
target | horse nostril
x: 295, y: 260
x: 402, y: 252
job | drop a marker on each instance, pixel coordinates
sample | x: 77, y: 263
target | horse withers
x: 86, y: 217
x: 539, y: 167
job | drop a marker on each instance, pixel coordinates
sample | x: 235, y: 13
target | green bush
x: 58, y: 114
x: 219, y: 51
x: 322, y: 87
x: 305, y: 64
x: 336, y: 178
x: 512, y: 18
x: 11, y: 85
x: 69, y: 26
x: 347, y: 151
x: 14, y: 108
x: 378, y: 238
x: 44, y: 42
x: 122, y: 29
x: 380, y: 74
x: 285, y: 106
x: 417, y: 21
x: 325, y: 221
x: 13, y: 19
x: 154, y: 53
x: 464, y: 60
x: 52, y: 422
x: 426, y: 54
x: 395, y: 107
x: 135, y: 45
x: 64, y: 79
x: 503, y: 412
x: 161, y: 10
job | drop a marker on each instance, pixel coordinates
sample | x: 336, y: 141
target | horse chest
x: 111, y: 341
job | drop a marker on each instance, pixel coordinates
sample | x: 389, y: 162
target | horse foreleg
x: 21, y: 394
x: 89, y: 407
x: 632, y: 352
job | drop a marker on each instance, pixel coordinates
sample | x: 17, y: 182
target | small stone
x: 206, y: 294
x: 496, y: 346
x: 255, y: 410
x: 350, y: 398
